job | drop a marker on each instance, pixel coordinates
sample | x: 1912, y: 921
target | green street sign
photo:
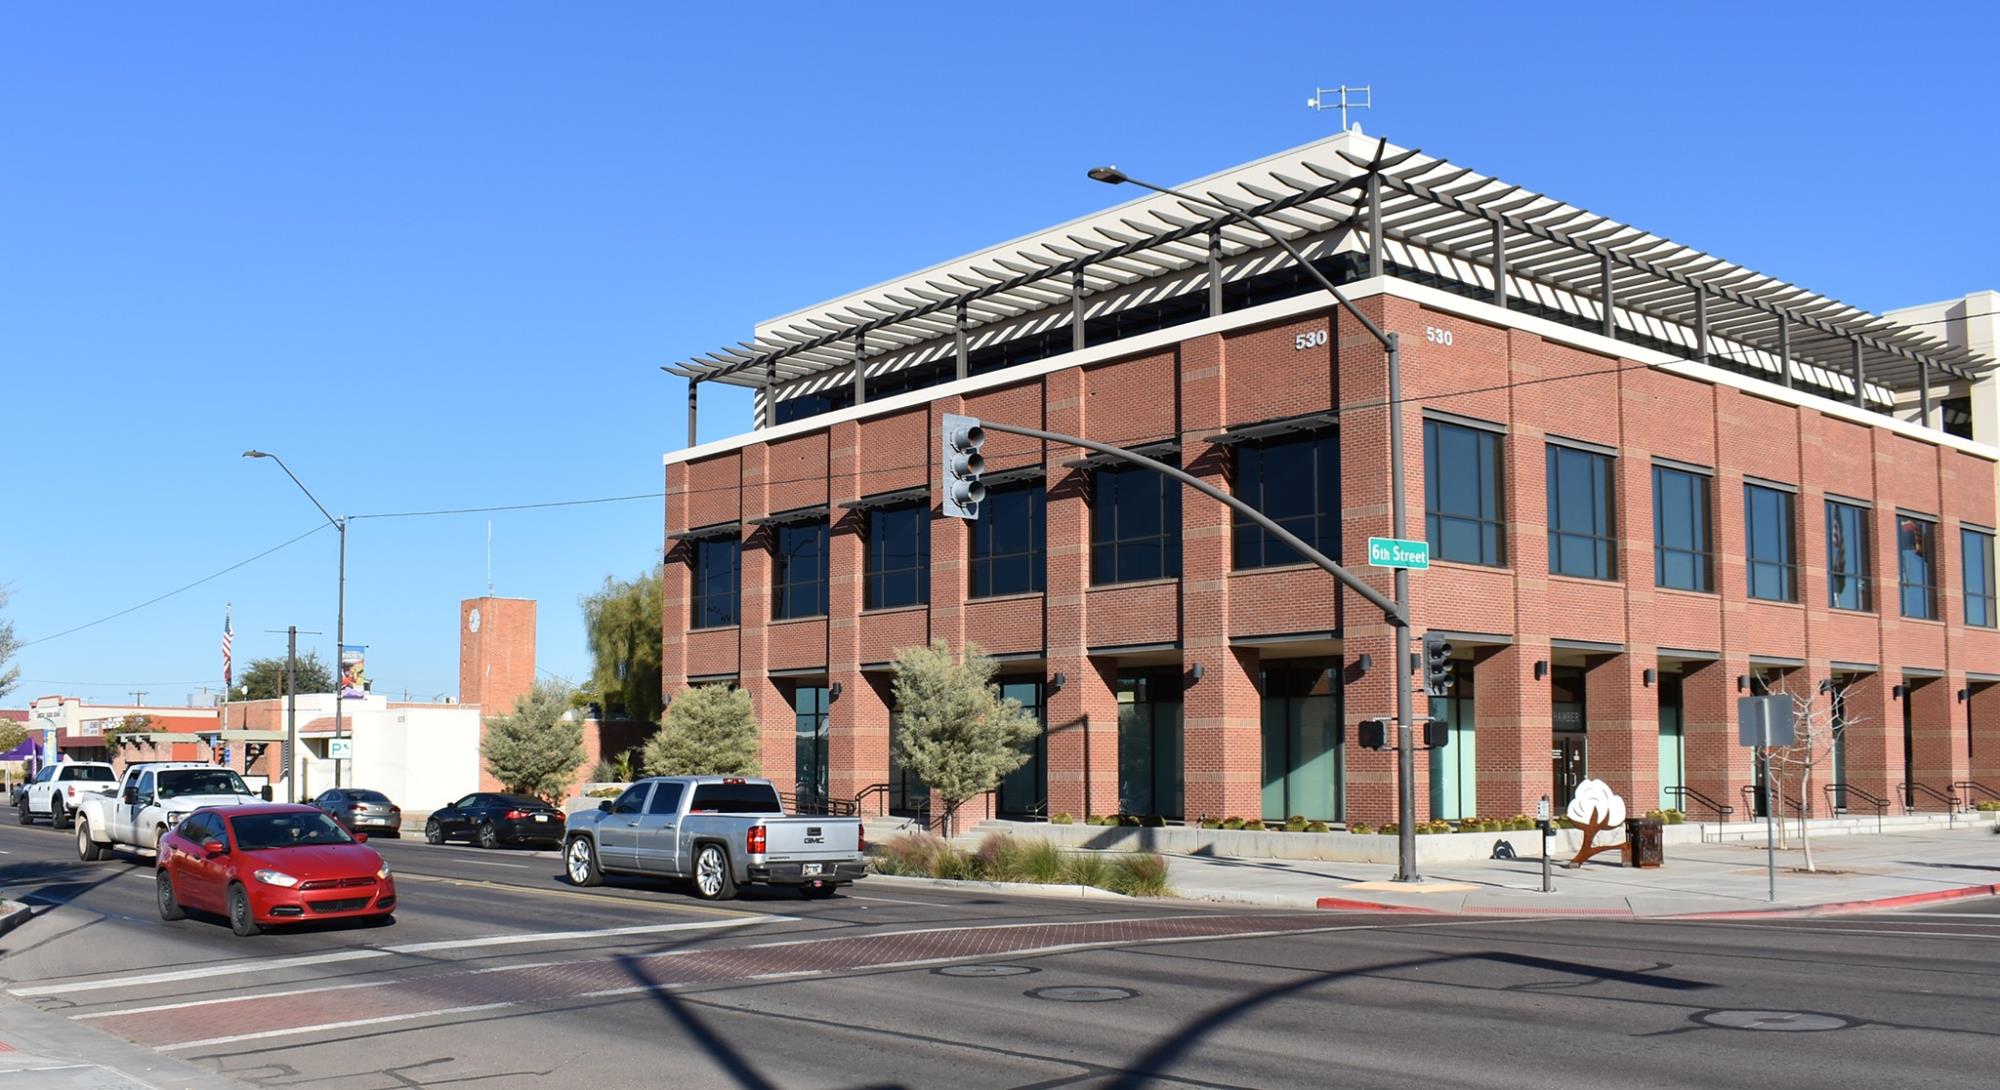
x: 1394, y: 552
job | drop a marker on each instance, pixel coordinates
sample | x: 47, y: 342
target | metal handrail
x: 1970, y: 786
x: 1913, y: 789
x: 1750, y: 794
x: 1721, y: 810
x: 1848, y: 791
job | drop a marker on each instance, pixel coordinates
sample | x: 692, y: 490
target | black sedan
x: 362, y: 810
x: 491, y: 819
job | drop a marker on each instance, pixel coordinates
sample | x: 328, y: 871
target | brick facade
x: 1515, y: 623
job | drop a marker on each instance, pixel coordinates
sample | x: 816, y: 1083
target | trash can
x: 1645, y: 842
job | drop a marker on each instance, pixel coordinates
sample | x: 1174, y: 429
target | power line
x: 511, y: 507
x: 176, y: 590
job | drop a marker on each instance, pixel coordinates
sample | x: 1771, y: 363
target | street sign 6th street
x: 1395, y: 552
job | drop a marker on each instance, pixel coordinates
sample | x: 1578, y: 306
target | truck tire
x: 27, y: 816
x: 580, y: 862
x: 58, y: 816
x: 88, y: 850
x: 159, y: 834
x: 163, y: 891
x: 713, y: 880
x: 240, y: 919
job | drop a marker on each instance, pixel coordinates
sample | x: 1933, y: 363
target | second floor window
x: 798, y: 571
x: 1977, y: 546
x: 716, y: 561
x: 1135, y: 525
x: 1295, y: 482
x: 1682, y: 539
x: 1462, y: 493
x: 899, y: 556
x: 1767, y: 544
x: 1580, y: 525
x: 1916, y: 565
x: 1847, y: 582
x: 1007, y: 541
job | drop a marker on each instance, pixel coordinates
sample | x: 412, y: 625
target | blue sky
x: 433, y: 254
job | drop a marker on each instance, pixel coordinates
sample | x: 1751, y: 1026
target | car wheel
x: 240, y: 919
x: 27, y: 816
x: 58, y: 817
x: 580, y: 863
x: 488, y: 838
x: 163, y: 886
x: 88, y: 850
x: 712, y: 878
x: 159, y: 835
x: 433, y: 832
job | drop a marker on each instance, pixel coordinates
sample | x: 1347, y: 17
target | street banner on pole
x: 353, y: 671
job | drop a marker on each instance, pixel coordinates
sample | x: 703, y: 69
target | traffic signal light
x: 1372, y: 734
x: 1438, y: 677
x: 963, y: 489
x: 1437, y: 734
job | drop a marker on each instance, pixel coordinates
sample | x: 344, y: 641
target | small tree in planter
x: 959, y: 735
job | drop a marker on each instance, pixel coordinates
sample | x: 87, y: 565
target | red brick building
x: 1652, y: 481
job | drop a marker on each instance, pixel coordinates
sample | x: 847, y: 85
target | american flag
x: 226, y: 639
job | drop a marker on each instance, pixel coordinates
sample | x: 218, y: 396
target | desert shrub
x: 605, y: 792
x: 1086, y: 869
x: 1140, y: 875
x: 1232, y: 823
x: 1211, y: 823
x: 1061, y: 817
x: 1674, y: 816
x: 1318, y: 827
x: 1389, y: 828
x: 998, y: 858
x: 1360, y: 828
x: 1041, y: 861
x: 1153, y: 821
x: 1255, y: 825
x: 1128, y: 821
x: 1987, y: 806
x: 911, y: 854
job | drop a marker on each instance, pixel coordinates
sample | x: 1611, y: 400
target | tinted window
x: 145, y: 784
x: 1847, y: 582
x: 799, y: 568
x: 633, y: 800
x: 1978, y: 564
x: 263, y: 832
x: 1007, y: 552
x: 466, y: 803
x: 181, y: 782
x: 714, y: 581
x: 209, y: 827
x: 736, y: 798
x: 1579, y: 487
x: 899, y: 556
x: 46, y: 774
x: 1916, y: 565
x: 666, y: 799
x: 367, y: 796
x: 1462, y: 493
x: 1294, y: 482
x: 1767, y: 543
x: 1135, y: 525
x: 1681, y: 541
x: 520, y: 802
x: 89, y: 773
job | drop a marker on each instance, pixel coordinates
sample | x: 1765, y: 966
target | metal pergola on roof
x: 1411, y: 215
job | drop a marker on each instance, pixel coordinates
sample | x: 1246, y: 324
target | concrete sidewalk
x: 1855, y: 873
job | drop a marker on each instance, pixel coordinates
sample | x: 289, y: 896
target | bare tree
x: 1818, y: 722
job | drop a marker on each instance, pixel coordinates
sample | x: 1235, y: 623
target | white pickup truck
x: 151, y: 799
x: 718, y: 832
x: 59, y: 790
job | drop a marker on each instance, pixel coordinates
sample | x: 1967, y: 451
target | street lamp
x: 1406, y: 805
x: 340, y: 618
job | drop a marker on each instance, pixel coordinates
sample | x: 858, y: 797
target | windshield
x: 177, y: 783
x: 736, y: 798
x: 93, y: 773
x: 263, y: 832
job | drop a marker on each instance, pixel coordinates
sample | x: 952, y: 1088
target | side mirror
x: 213, y: 848
x: 267, y: 794
x: 132, y: 796
x: 604, y: 807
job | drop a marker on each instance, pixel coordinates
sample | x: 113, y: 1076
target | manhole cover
x: 985, y: 970
x: 1782, y: 1021
x: 1081, y: 994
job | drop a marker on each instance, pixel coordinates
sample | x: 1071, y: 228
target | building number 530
x: 1437, y: 336
x: 1309, y: 339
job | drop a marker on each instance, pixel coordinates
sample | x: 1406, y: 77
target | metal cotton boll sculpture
x: 1594, y: 808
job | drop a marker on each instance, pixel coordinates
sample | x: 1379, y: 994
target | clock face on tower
x: 472, y: 621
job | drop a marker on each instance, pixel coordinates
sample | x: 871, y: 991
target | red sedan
x: 271, y: 864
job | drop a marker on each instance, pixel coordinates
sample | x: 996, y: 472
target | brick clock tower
x: 496, y: 652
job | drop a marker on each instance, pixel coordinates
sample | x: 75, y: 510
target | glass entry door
x: 1024, y: 792
x: 1303, y: 770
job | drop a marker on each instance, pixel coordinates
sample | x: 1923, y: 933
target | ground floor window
x: 809, y: 708
x: 1025, y: 791
x: 909, y: 796
x: 1303, y: 769
x: 1149, y: 743
x: 1455, y: 768
x: 1673, y: 744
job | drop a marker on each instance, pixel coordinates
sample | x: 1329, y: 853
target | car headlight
x: 174, y: 817
x: 276, y: 878
x: 383, y: 872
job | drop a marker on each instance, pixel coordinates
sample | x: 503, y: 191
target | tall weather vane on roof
x: 1342, y: 98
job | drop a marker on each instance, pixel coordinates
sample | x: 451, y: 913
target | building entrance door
x: 1570, y: 766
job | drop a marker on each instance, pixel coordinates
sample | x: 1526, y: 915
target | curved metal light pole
x: 340, y: 618
x: 1406, y: 805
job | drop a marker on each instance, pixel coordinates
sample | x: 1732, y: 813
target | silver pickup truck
x: 720, y: 832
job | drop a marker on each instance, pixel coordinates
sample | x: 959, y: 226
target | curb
x: 1845, y: 908
x: 1345, y: 904
x: 1030, y: 889
x: 13, y: 914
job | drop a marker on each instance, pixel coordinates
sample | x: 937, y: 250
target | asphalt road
x: 498, y: 975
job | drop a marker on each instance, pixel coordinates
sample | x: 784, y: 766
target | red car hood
x: 325, y: 861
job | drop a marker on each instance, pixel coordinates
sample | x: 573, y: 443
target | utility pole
x: 138, y: 697
x: 292, y: 713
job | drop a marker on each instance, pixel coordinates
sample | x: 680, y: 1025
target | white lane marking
x: 239, y: 967
x: 490, y: 863
x: 156, y: 1008
x: 895, y: 901
x: 1851, y: 930
x: 236, y: 1037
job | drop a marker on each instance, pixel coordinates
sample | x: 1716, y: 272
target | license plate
x: 810, y: 869
x: 541, y: 817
